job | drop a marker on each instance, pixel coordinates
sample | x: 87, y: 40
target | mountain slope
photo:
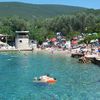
x: 36, y: 10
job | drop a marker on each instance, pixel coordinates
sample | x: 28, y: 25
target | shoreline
x: 57, y: 52
x: 51, y: 51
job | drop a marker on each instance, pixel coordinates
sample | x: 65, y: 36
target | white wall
x: 22, y: 45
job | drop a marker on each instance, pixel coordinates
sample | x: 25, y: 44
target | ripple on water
x: 74, y: 81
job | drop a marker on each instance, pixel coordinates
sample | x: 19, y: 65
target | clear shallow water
x: 74, y: 81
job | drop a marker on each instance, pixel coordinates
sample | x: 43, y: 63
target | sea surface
x: 75, y: 81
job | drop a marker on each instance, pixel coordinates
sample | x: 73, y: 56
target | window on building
x: 32, y: 41
x: 20, y: 41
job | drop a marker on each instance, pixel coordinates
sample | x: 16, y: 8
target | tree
x: 81, y: 19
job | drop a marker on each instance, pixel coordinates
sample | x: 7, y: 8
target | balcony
x: 22, y: 36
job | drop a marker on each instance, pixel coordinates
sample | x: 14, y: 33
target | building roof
x: 22, y: 31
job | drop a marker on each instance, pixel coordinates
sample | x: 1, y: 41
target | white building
x: 33, y: 44
x: 22, y: 40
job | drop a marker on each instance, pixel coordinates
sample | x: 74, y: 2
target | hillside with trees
x: 87, y: 21
x: 36, y: 10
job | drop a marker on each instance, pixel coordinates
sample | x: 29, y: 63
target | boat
x: 44, y: 79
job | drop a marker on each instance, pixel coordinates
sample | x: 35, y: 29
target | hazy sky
x: 82, y: 3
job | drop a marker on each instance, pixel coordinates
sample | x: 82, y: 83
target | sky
x: 81, y: 3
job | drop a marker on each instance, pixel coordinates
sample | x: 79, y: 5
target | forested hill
x: 36, y: 10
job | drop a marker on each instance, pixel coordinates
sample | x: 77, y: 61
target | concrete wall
x: 22, y: 43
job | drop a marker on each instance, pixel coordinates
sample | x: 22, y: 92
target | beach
x: 54, y: 51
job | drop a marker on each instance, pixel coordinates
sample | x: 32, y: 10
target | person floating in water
x: 45, y: 79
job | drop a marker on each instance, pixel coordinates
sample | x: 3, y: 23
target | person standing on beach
x: 99, y: 51
x: 52, y: 50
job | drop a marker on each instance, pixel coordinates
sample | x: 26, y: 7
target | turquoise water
x: 74, y: 81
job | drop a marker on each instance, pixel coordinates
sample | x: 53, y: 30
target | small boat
x: 44, y: 79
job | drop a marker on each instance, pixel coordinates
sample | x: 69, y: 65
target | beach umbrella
x: 74, y: 42
x: 53, y: 40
